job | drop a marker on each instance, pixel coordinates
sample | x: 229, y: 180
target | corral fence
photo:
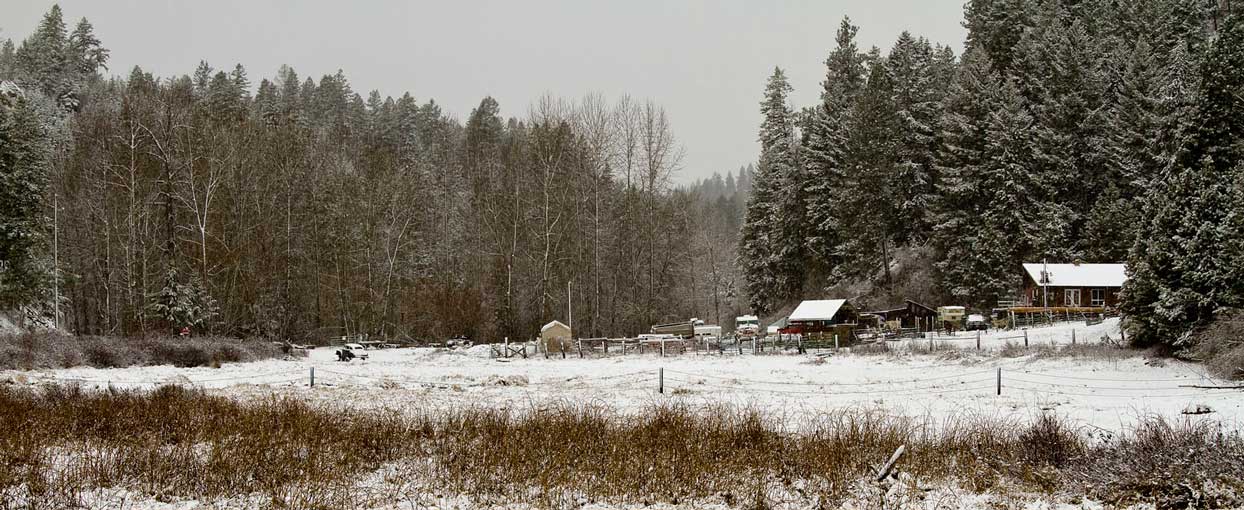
x: 598, y: 347
x: 998, y: 381
x: 800, y: 344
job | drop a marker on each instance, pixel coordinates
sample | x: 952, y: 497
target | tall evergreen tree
x: 824, y: 145
x: 1183, y: 266
x: 910, y: 66
x: 25, y: 151
x: 996, y: 26
x: 42, y: 58
x: 865, y: 199
x: 1063, y: 82
x: 86, y: 54
x: 962, y: 191
x: 770, y: 250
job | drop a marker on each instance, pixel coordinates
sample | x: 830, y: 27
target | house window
x: 1071, y: 297
x: 1099, y: 297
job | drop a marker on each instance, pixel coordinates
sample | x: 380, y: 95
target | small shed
x: 911, y: 315
x: 556, y: 336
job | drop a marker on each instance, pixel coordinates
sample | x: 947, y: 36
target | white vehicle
x: 976, y: 322
x: 713, y: 331
x: 747, y: 325
x: 348, y: 352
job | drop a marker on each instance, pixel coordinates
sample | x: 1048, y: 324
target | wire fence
x: 1067, y: 334
x: 999, y: 380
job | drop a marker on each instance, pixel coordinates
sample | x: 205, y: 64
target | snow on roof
x: 817, y: 310
x: 551, y: 324
x: 1079, y: 275
x: 747, y: 318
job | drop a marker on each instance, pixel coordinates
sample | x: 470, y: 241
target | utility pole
x: 1045, y: 282
x: 569, y: 309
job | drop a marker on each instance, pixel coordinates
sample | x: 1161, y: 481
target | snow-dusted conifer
x: 825, y: 147
x: 1183, y: 267
x: 770, y: 247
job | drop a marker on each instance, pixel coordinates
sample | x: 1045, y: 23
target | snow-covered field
x: 1104, y: 393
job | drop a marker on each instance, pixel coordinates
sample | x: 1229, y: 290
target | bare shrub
x: 1096, y: 351
x: 1012, y: 350
x: 1221, y: 345
x: 1185, y: 465
x: 52, y: 350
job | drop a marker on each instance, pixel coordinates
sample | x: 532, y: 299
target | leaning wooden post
x: 312, y: 377
x: 889, y: 466
x: 661, y: 380
x: 999, y: 380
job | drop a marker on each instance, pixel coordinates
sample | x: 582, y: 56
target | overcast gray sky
x: 705, y: 61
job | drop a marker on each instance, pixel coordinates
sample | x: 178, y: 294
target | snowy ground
x: 1108, y: 394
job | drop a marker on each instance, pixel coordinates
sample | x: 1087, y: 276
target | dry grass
x: 58, y: 443
x: 50, y: 350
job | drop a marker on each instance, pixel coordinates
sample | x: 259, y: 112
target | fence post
x: 800, y: 348
x: 663, y: 348
x: 561, y: 343
x: 835, y: 341
x: 930, y: 345
x: 580, y: 348
x: 1073, y: 336
x: 978, y: 339
x: 312, y: 377
x: 661, y: 380
x: 999, y: 381
x: 1025, y: 338
x: 507, y: 347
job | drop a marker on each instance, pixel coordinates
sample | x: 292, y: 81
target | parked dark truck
x: 684, y: 329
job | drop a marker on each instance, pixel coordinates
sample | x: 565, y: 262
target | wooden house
x: 1072, y: 286
x: 911, y: 315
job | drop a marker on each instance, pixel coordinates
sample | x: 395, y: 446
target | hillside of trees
x: 1090, y: 130
x: 298, y: 207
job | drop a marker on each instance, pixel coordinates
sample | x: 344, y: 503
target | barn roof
x: 817, y: 310
x: 1079, y: 275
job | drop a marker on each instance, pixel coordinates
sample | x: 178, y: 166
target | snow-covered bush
x: 184, y: 304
